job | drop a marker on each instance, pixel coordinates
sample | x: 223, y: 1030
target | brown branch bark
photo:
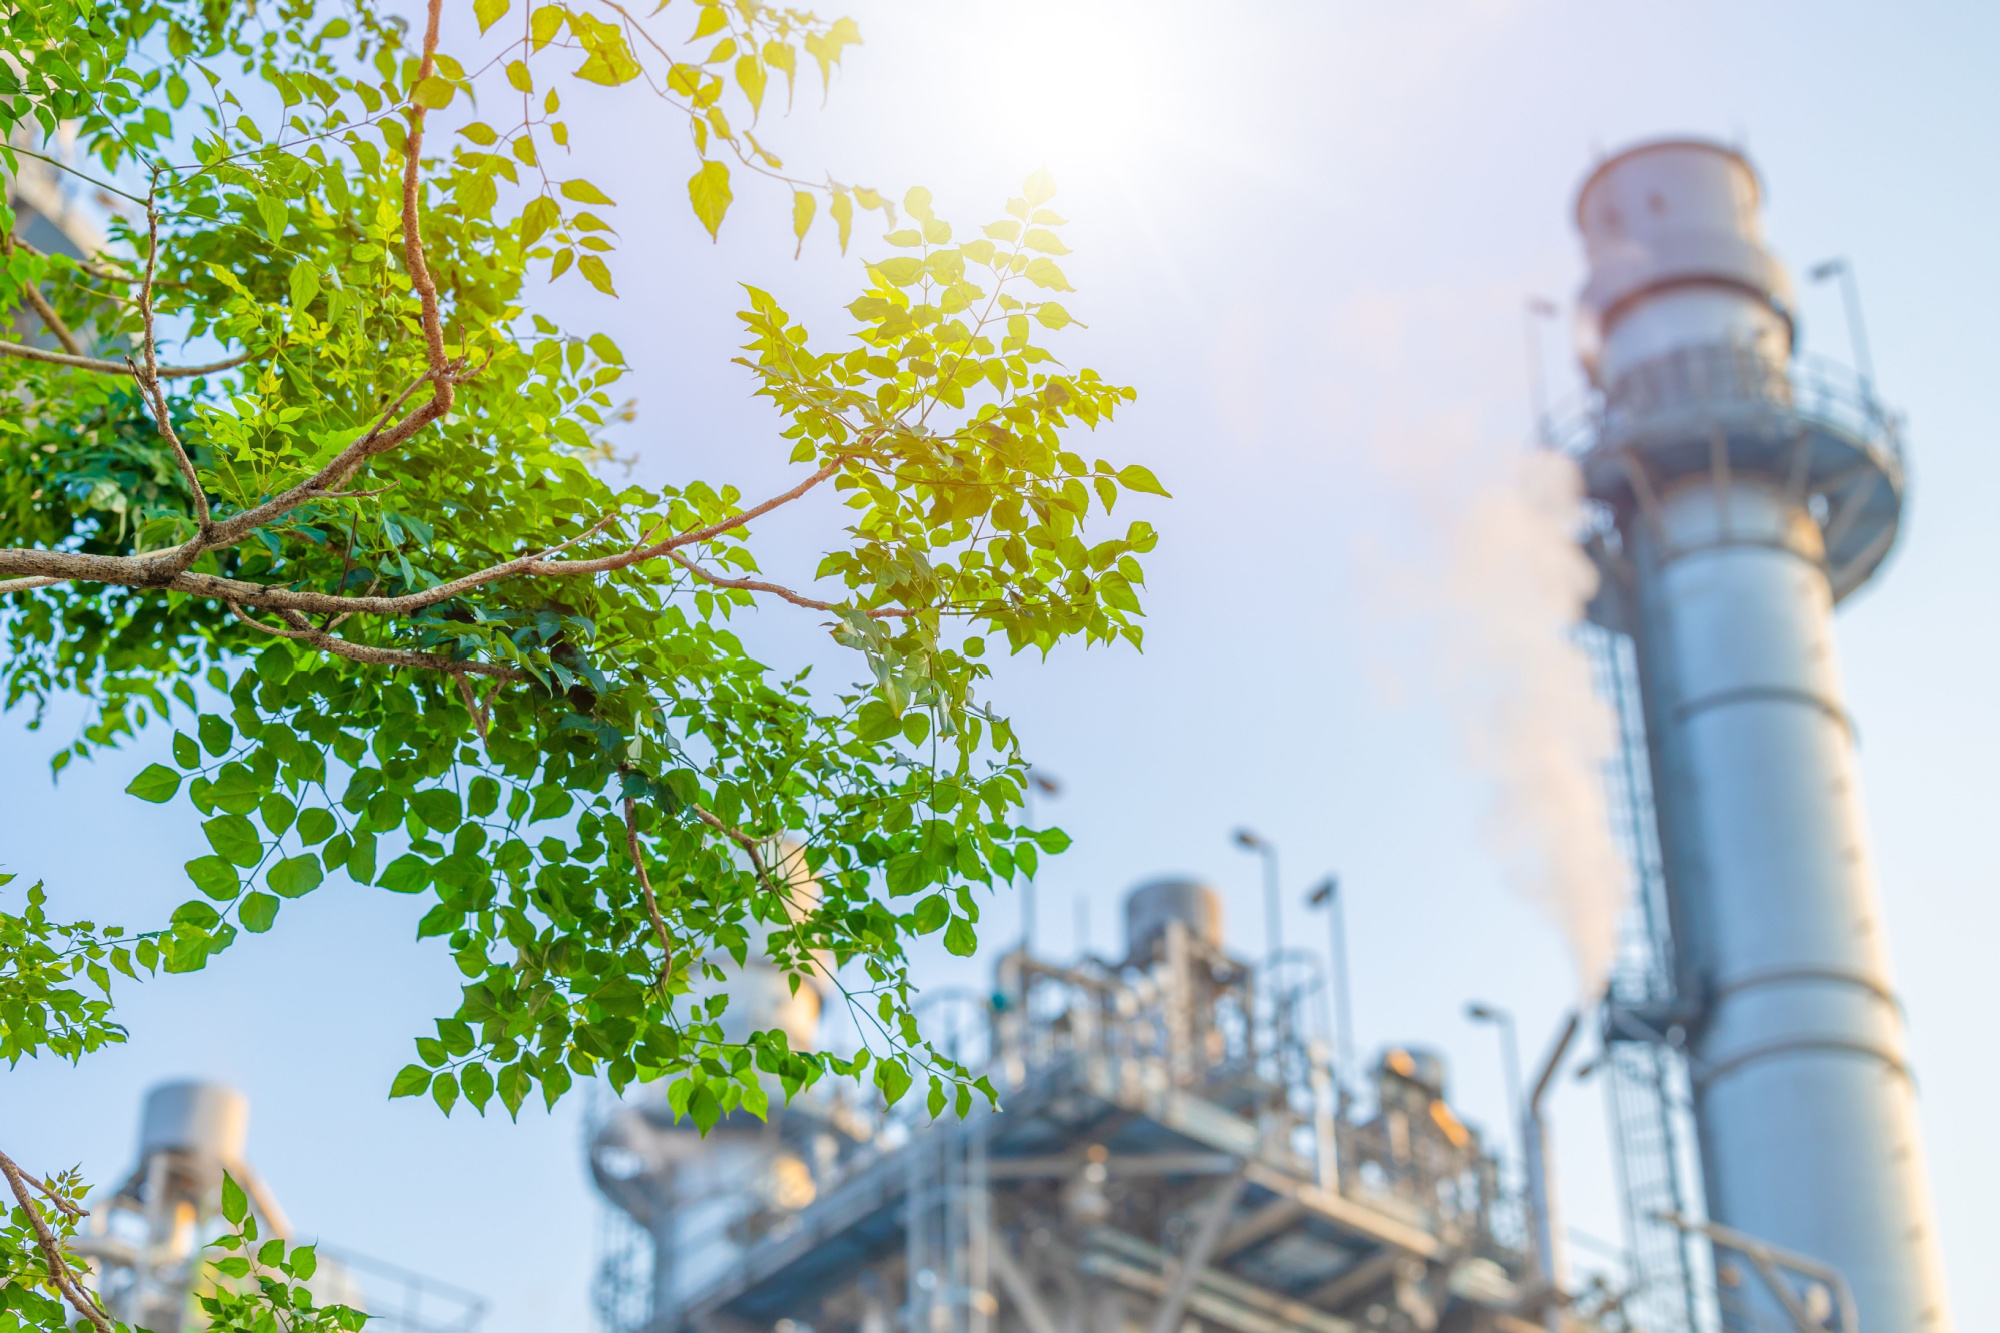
x: 116, y: 367
x: 51, y: 1248
x: 371, y: 655
x: 646, y: 889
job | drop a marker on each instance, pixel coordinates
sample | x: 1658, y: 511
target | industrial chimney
x: 1748, y: 495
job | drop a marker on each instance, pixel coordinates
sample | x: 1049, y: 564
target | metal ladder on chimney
x: 1646, y: 1079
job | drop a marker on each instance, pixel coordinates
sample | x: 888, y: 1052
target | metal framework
x: 1173, y: 1156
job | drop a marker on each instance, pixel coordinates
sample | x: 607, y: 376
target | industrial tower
x: 1745, y: 494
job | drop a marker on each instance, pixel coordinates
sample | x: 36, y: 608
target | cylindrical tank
x: 1149, y: 907
x: 1804, y: 1101
x: 205, y: 1120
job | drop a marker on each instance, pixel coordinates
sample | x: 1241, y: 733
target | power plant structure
x: 1175, y: 1150
x: 1172, y: 1154
x: 1743, y: 492
x: 147, y: 1246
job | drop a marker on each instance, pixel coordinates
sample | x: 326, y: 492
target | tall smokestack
x: 1750, y: 496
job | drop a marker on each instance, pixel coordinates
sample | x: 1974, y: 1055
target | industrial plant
x: 1184, y: 1141
x: 1180, y: 1148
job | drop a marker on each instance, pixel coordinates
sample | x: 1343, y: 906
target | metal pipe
x: 1541, y: 1183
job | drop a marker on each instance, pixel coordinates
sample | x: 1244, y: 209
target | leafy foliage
x: 404, y: 629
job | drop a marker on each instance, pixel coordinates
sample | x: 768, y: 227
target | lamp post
x: 1048, y: 786
x: 1539, y: 308
x: 1510, y: 1051
x: 1857, y: 331
x: 1327, y: 895
x: 1274, y: 930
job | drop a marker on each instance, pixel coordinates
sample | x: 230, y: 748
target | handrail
x: 1720, y: 374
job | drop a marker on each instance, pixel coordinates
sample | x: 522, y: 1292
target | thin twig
x: 43, y: 310
x: 646, y: 888
x: 796, y: 599
x: 149, y: 385
x: 26, y: 352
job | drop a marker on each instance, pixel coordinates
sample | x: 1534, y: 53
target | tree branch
x: 118, y: 368
x: 646, y: 888
x: 52, y: 1254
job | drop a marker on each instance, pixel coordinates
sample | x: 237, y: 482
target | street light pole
x: 1327, y: 895
x: 1274, y: 928
x: 1510, y: 1051
x: 1857, y: 331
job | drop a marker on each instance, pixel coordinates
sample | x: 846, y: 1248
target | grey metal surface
x: 1741, y: 514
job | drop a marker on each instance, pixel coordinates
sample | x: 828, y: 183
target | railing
x: 1819, y: 390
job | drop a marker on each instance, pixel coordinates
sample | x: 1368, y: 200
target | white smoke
x: 1486, y: 567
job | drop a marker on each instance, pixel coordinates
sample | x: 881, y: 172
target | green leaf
x: 234, y: 839
x: 304, y: 283
x: 215, y: 733
x: 408, y: 873
x: 186, y: 754
x: 444, y: 1091
x: 316, y: 825
x: 541, y: 213
x: 585, y: 193
x: 437, y: 808
x: 1137, y: 478
x: 959, y: 938
x: 411, y: 1080
x: 434, y: 93
x: 215, y: 877
x: 931, y: 913
x: 708, y: 190
x: 234, y: 1204
x: 1053, y: 840
x: 295, y: 876
x: 476, y: 1082
x: 257, y: 913
x: 277, y: 812
x: 489, y: 12
x: 305, y: 1262
x: 892, y: 1079
x: 156, y: 783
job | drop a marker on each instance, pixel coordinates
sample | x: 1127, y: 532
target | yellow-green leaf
x: 489, y: 12
x: 594, y: 269
x: 544, y: 25
x: 517, y: 74
x: 708, y: 190
x: 585, y: 193
x: 1040, y: 238
x: 433, y: 92
x: 803, y: 207
x: 750, y: 78
x: 1138, y: 478
x: 480, y: 133
x: 712, y: 20
x: 1040, y: 187
x: 540, y: 214
x: 842, y: 209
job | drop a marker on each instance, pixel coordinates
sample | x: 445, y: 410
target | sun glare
x: 1084, y: 82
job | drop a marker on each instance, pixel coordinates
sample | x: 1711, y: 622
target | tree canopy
x: 295, y: 469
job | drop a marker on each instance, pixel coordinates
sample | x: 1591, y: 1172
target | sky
x: 1306, y: 233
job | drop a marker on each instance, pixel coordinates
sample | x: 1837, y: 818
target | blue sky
x: 1306, y: 233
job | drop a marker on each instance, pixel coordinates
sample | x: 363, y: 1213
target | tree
x: 360, y: 561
